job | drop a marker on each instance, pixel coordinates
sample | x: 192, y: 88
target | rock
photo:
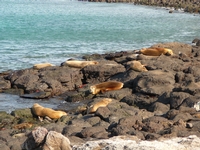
x: 177, y: 98
x: 46, y: 140
x: 55, y: 140
x: 130, y: 100
x: 195, y: 40
x: 14, y: 91
x: 154, y: 82
x: 183, y: 116
x: 53, y: 79
x: 103, y: 113
x: 176, y: 47
x: 4, y: 84
x: 118, y: 94
x: 101, y: 72
x: 132, y: 142
x: 22, y: 113
x: 198, y: 43
x: 165, y: 63
x: 159, y: 107
x: 25, y: 81
x: 3, y: 146
x: 37, y: 95
x: 71, y: 130
x: 5, y: 120
x: 92, y: 131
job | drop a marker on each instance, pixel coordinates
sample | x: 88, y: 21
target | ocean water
x: 37, y: 31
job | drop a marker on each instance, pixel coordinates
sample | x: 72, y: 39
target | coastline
x: 152, y: 105
x: 190, y: 7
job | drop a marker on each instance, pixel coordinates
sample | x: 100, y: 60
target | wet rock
x: 74, y: 96
x: 4, y: 84
x: 5, y: 120
x: 14, y: 91
x: 198, y: 43
x: 22, y: 113
x: 37, y: 95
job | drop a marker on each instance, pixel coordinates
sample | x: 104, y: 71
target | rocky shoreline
x: 192, y: 6
x: 152, y: 105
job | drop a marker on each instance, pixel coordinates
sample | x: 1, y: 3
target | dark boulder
x: 154, y: 82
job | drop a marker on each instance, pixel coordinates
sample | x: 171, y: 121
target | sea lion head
x: 93, y: 89
x: 95, y: 62
x: 169, y: 52
x: 36, y: 105
x: 107, y: 100
x: 136, y: 65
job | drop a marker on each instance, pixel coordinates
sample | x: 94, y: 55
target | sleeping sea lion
x: 106, y: 86
x: 156, y: 51
x: 78, y: 63
x: 42, y: 65
x: 136, y: 65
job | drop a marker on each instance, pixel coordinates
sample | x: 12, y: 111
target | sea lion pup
x: 103, y: 103
x: 78, y: 63
x: 23, y: 125
x: 136, y: 65
x: 41, y: 111
x: 156, y: 51
x: 106, y: 86
x: 42, y: 65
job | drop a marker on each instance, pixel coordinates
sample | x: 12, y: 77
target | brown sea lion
x: 42, y: 65
x: 106, y: 86
x: 156, y: 51
x: 103, y: 103
x: 23, y: 125
x: 136, y: 65
x: 41, y: 111
x: 78, y: 63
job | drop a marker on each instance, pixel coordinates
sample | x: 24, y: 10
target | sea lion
x: 106, y: 86
x: 42, y: 65
x: 103, y: 103
x: 136, y: 65
x: 23, y: 125
x: 41, y: 111
x: 156, y: 51
x: 78, y: 63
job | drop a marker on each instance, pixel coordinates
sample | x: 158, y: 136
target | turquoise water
x: 36, y: 31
